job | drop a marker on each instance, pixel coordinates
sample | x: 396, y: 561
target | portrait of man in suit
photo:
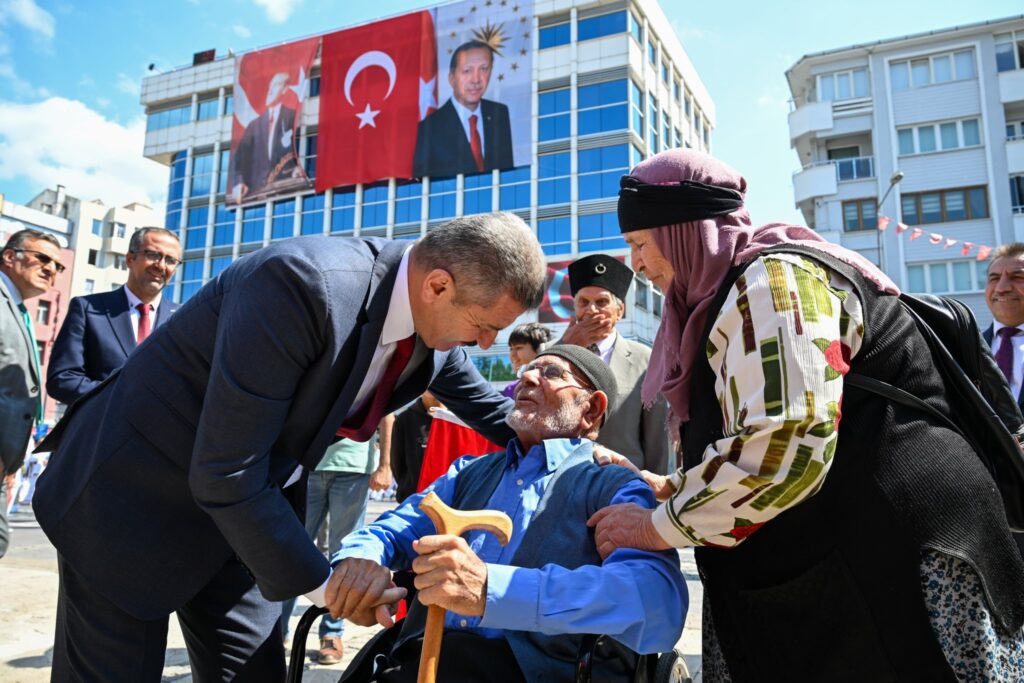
x: 468, y: 134
x: 171, y: 487
x: 101, y: 329
x: 267, y: 158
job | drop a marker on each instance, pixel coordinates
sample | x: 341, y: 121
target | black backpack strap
x: 886, y: 390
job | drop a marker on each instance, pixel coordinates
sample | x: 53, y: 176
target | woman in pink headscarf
x: 838, y: 536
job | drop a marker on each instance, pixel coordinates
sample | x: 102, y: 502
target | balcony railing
x: 854, y: 168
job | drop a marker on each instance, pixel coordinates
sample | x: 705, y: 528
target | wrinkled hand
x: 606, y: 456
x: 450, y: 575
x: 362, y: 592
x: 625, y: 525
x: 661, y: 485
x: 589, y: 330
x: 380, y: 480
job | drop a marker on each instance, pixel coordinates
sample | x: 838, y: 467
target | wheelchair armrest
x: 645, y: 664
x: 298, y: 655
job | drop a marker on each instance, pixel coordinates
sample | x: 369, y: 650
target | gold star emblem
x: 522, y: 53
x: 514, y: 66
x: 501, y: 77
x: 473, y: 8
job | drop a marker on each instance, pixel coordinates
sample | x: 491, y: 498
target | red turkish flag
x: 370, y: 99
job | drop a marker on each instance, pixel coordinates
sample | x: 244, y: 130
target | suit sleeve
x: 66, y: 379
x: 462, y: 388
x: 270, y: 330
x: 654, y: 435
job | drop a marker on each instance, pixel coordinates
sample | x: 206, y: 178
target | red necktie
x: 143, y: 323
x: 1004, y: 356
x: 474, y: 143
x: 361, y: 425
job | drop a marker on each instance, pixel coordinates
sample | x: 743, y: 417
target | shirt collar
x: 15, y: 293
x: 554, y: 451
x: 465, y: 113
x: 606, y: 344
x: 398, y: 323
x: 134, y: 301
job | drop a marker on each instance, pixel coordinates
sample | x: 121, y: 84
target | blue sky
x: 70, y: 73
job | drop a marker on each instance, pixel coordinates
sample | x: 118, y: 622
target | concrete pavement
x: 28, y: 599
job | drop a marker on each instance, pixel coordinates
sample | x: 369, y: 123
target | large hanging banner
x: 430, y: 93
x: 270, y: 87
x: 557, y: 306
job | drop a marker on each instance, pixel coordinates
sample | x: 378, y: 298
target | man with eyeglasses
x: 29, y: 264
x: 515, y: 612
x: 101, y: 329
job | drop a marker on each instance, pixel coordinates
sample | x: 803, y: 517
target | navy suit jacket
x: 442, y: 148
x: 94, y: 340
x: 987, y: 334
x: 176, y: 461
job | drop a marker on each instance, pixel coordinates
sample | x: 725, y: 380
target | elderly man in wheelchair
x: 518, y: 612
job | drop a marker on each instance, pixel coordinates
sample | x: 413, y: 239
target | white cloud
x: 103, y: 102
x: 28, y: 14
x: 278, y: 11
x: 21, y: 88
x: 241, y: 30
x: 126, y: 84
x: 94, y: 158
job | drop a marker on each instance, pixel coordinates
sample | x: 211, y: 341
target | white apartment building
x: 99, y: 236
x: 926, y: 129
x: 611, y: 86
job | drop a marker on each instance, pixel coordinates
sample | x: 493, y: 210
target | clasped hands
x: 448, y: 574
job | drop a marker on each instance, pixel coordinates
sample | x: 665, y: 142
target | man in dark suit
x: 101, y: 329
x: 266, y: 152
x: 29, y: 264
x: 167, y: 488
x: 468, y: 134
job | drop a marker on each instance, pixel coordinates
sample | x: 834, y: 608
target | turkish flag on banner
x: 376, y: 83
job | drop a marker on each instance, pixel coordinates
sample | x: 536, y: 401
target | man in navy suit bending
x: 101, y: 329
x: 468, y: 134
x: 168, y: 487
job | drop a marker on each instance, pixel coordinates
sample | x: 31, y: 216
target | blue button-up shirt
x: 637, y: 597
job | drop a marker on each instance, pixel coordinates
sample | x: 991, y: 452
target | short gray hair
x: 1011, y: 250
x: 18, y: 239
x: 135, y: 243
x: 487, y: 255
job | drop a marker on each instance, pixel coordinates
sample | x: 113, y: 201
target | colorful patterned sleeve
x: 779, y: 350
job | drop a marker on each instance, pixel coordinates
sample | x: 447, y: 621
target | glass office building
x: 612, y: 85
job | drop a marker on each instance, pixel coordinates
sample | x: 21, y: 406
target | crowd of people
x: 206, y: 447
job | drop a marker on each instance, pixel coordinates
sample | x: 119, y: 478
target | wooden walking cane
x: 455, y: 522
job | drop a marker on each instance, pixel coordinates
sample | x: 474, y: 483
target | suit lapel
x: 164, y: 312
x: 987, y: 335
x: 120, y: 320
x: 16, y: 313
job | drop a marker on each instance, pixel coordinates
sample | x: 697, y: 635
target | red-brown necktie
x: 361, y: 425
x: 474, y: 143
x: 143, y: 322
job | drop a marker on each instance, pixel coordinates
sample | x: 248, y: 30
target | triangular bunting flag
x: 901, y: 228
x: 983, y: 252
x: 883, y: 222
x: 967, y: 248
x: 935, y: 238
x: 950, y: 243
x: 915, y: 233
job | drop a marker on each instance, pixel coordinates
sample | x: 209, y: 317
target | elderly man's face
x: 551, y: 401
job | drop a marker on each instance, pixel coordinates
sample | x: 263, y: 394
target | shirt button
x: 519, y: 482
x: 463, y: 623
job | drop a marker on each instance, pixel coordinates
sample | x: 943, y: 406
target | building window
x: 553, y: 36
x: 600, y: 232
x: 1014, y: 130
x: 652, y: 128
x: 553, y: 174
x: 175, y: 191
x: 859, y: 214
x: 688, y: 105
x: 664, y: 73
x: 677, y: 138
x: 89, y: 285
x: 924, y: 71
x: 602, y: 107
x: 643, y: 288
x: 343, y: 211
x: 1017, y: 193
x: 657, y: 298
x: 553, y: 115
x: 850, y: 165
x: 677, y: 89
x: 312, y: 214
x: 195, y: 228
x: 119, y: 262
x: 43, y: 312
x: 652, y: 52
x: 442, y: 198
x: 252, y: 223
x: 310, y: 165
x: 1010, y: 51
x: 314, y: 86
x: 191, y: 278
x: 636, y: 106
x: 946, y: 276
x: 476, y: 198
x: 222, y: 172
x: 229, y: 105
x: 942, y: 206
x: 218, y: 264
x: 599, y: 171
x: 555, y: 235
x: 933, y: 137
x: 118, y: 230
x: 283, y: 222
x: 666, y: 130
x: 603, y: 25
x: 636, y: 29
x: 207, y: 109
x: 514, y: 190
x: 842, y: 85
x: 375, y: 205
x: 94, y: 257
x: 97, y: 227
x: 202, y: 175
x: 168, y: 117
x: 223, y: 226
x: 408, y: 202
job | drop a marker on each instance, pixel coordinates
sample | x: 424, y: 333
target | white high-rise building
x: 930, y: 126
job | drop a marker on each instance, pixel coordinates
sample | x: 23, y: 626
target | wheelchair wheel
x: 671, y: 668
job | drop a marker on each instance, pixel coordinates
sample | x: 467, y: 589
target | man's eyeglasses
x: 554, y: 373
x: 157, y: 257
x: 44, y: 259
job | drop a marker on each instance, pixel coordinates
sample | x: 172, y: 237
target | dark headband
x: 642, y: 205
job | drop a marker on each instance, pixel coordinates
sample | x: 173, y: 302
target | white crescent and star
x: 364, y: 61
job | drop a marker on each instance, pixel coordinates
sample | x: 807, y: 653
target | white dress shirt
x: 606, y: 346
x: 1018, y: 355
x: 133, y: 311
x: 464, y: 115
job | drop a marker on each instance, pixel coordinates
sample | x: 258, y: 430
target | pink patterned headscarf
x: 702, y: 253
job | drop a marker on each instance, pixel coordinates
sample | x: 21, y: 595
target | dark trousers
x: 230, y: 630
x: 465, y: 658
x: 5, y: 531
